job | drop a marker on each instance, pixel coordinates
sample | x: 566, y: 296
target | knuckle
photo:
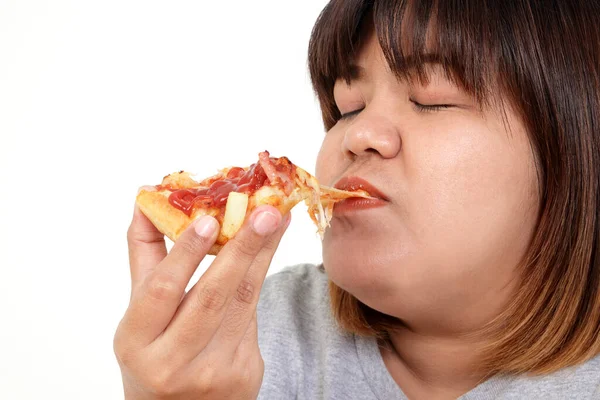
x: 133, y: 233
x: 123, y: 351
x: 130, y: 233
x: 245, y: 292
x: 206, y: 381
x: 249, y: 372
x: 216, y: 380
x: 253, y: 360
x: 192, y: 244
x: 211, y: 297
x: 259, y: 364
x: 219, y: 380
x: 244, y: 378
x: 132, y: 236
x: 245, y: 251
x: 163, y: 286
x: 235, y: 323
x: 123, y: 347
x: 162, y: 383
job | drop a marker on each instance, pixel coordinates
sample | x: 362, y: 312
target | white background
x: 98, y: 98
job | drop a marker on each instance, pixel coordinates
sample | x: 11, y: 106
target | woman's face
x: 461, y: 198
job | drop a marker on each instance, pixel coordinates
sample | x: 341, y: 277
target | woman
x: 477, y: 274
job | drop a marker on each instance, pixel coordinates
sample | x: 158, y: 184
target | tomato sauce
x: 215, y: 196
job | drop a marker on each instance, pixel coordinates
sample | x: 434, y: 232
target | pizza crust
x: 166, y: 218
x: 172, y: 222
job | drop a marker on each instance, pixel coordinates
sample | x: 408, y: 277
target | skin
x: 442, y: 254
x: 201, y: 344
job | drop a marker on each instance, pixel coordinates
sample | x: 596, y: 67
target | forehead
x: 368, y: 58
x: 369, y: 50
x: 409, y: 36
x: 414, y: 55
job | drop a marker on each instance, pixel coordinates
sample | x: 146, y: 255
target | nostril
x: 372, y: 137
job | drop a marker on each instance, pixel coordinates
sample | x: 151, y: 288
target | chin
x: 381, y: 271
x: 360, y: 264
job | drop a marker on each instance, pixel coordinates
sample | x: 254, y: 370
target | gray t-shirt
x: 308, y: 357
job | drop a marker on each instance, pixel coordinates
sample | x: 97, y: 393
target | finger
x: 249, y: 341
x: 246, y: 349
x: 242, y: 309
x: 156, y: 300
x: 204, y: 307
x: 146, y: 246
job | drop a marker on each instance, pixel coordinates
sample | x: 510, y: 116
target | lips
x: 353, y: 205
x: 352, y: 183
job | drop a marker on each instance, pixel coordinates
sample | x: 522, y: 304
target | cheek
x: 328, y: 158
x: 476, y: 193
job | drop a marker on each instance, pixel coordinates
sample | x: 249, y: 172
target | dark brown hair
x: 543, y: 58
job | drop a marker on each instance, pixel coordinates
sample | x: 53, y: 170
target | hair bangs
x: 332, y: 48
x: 414, y: 36
x: 540, y: 58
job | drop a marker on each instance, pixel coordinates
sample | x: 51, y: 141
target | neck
x: 432, y: 367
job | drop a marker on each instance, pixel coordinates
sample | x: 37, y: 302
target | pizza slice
x: 232, y: 194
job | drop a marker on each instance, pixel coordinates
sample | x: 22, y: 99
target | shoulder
x: 579, y: 382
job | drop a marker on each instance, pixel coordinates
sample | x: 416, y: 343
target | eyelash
x: 351, y: 114
x: 429, y: 107
x: 420, y: 108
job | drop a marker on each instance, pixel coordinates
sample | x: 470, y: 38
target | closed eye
x: 351, y: 114
x: 430, y: 107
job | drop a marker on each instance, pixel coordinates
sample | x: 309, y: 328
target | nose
x: 371, y: 134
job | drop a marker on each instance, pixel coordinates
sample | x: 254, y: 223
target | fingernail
x: 265, y: 223
x: 206, y: 226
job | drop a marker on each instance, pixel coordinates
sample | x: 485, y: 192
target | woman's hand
x: 200, y: 344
